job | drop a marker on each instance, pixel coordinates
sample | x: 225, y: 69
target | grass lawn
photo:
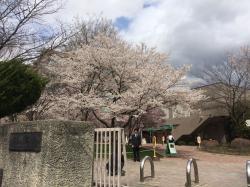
x: 143, y: 152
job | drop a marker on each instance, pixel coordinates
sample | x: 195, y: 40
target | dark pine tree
x: 20, y: 86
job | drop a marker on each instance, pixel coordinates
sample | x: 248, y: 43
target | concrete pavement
x: 215, y: 170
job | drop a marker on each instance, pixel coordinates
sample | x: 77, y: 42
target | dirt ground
x: 215, y: 170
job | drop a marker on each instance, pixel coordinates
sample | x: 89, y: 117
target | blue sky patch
x: 122, y: 23
x: 147, y: 5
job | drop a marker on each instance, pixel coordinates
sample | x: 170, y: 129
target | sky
x: 197, y: 32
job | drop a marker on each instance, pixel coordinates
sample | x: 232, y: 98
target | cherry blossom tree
x: 115, y: 82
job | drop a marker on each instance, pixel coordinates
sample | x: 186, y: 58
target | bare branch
x: 22, y: 33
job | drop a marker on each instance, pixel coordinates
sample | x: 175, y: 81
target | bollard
x: 154, y: 146
x: 191, y: 162
x: 248, y: 172
x: 142, y: 167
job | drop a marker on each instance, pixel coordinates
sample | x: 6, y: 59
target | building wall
x: 178, y: 111
x: 215, y: 128
x: 65, y: 159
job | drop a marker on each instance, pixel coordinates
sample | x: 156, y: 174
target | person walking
x: 136, y: 143
x: 198, y: 139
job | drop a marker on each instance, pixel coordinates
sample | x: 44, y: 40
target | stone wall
x: 65, y: 159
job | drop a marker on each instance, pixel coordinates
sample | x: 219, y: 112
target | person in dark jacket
x: 136, y: 143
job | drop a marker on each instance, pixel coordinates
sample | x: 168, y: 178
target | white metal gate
x: 110, y: 154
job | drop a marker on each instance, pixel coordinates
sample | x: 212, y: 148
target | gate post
x: 110, y: 157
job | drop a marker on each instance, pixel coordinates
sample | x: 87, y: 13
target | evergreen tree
x: 20, y: 86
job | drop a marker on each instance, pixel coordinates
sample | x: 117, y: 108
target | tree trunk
x: 113, y: 122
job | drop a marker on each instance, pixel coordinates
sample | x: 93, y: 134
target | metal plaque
x: 25, y: 142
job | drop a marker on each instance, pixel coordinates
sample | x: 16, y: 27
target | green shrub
x: 240, y: 143
x: 20, y: 86
x: 243, y: 131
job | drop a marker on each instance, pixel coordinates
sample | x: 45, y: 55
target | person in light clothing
x: 170, y: 138
x: 199, y: 141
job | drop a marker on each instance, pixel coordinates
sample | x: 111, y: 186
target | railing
x: 142, y: 167
x: 191, y: 162
x: 248, y: 172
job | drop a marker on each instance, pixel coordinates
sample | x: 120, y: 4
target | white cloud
x: 193, y: 32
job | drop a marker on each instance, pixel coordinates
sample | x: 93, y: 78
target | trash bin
x: 170, y: 148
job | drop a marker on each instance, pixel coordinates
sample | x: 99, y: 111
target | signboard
x: 248, y: 122
x: 172, y: 149
x: 25, y: 142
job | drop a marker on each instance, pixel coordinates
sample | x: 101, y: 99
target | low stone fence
x: 46, y: 153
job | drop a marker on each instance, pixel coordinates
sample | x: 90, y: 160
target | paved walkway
x: 215, y: 170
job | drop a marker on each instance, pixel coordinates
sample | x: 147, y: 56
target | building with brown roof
x: 209, y: 119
